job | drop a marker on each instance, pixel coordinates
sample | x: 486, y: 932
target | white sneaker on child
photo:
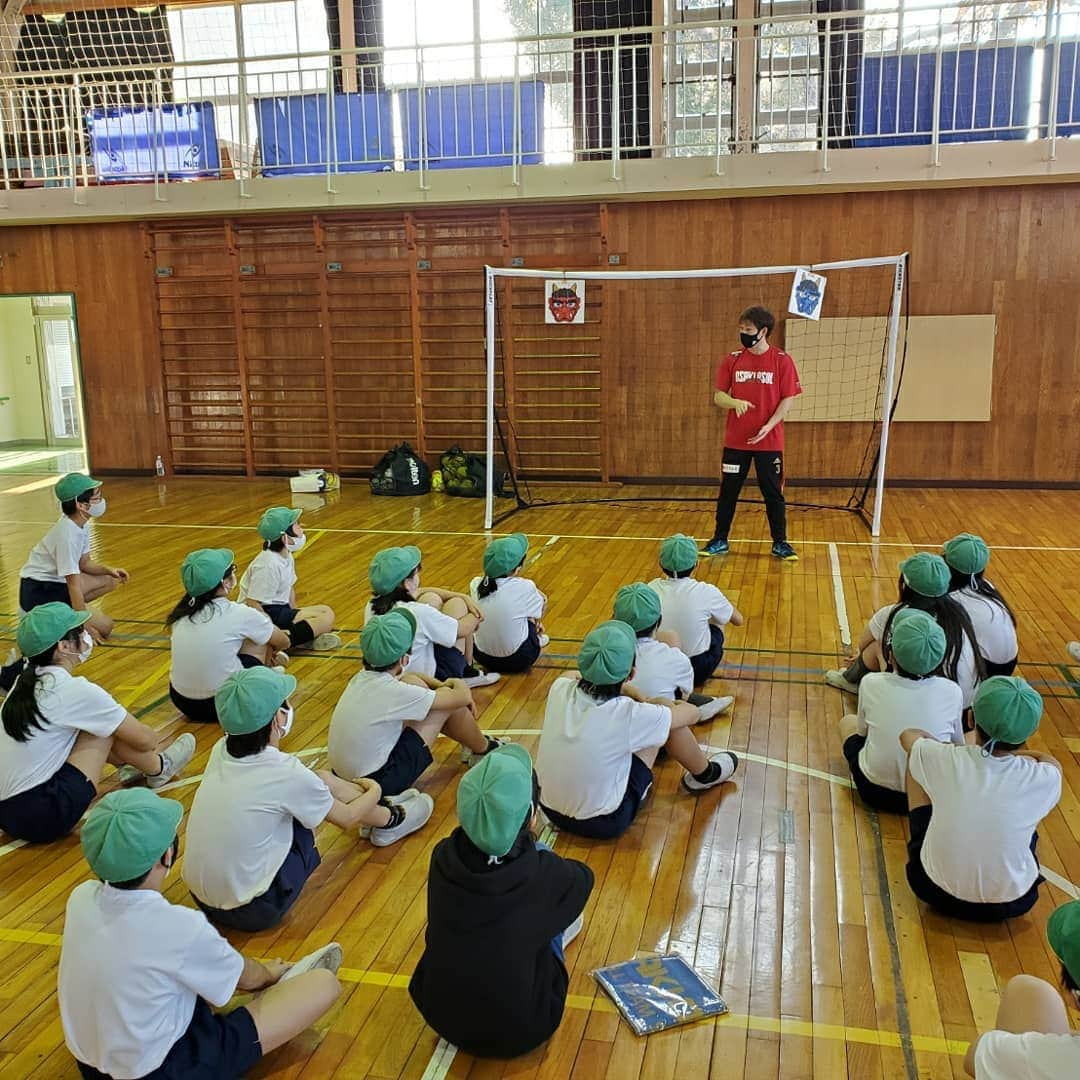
x: 715, y: 707
x: 544, y: 641
x: 326, y: 643
x: 726, y: 763
x: 395, y: 800
x: 329, y: 957
x: 573, y: 930
x: 1074, y: 650
x: 173, y: 760
x: 470, y: 757
x: 836, y: 680
x: 417, y: 813
x: 481, y: 678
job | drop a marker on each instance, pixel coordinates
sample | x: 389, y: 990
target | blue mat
x: 177, y: 141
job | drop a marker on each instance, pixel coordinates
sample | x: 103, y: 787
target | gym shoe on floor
x: 173, y: 760
x: 417, y: 812
x: 470, y: 757
x: 1074, y: 650
x: 474, y: 677
x: 544, y: 641
x: 716, y: 547
x: 394, y: 800
x: 281, y: 660
x: 329, y: 957
x: 836, y: 680
x: 573, y: 930
x: 715, y: 707
x: 721, y: 768
x: 783, y: 550
x: 326, y: 643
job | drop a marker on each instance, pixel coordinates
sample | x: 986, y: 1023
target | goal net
x: 608, y: 376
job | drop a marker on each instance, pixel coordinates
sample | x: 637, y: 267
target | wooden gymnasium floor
x: 782, y: 886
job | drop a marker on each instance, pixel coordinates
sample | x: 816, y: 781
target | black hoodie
x: 489, y: 981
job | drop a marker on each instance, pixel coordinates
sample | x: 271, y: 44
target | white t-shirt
x: 661, y: 670
x: 368, y: 718
x: 583, y: 763
x: 688, y: 606
x: 432, y: 628
x: 985, y: 809
x: 269, y: 578
x: 1002, y: 1055
x: 57, y: 554
x: 241, y: 823
x: 965, y: 665
x: 890, y: 704
x: 132, y: 966
x: 69, y: 704
x: 995, y: 633
x: 507, y: 612
x: 205, y: 646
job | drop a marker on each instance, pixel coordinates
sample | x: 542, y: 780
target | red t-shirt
x: 763, y: 380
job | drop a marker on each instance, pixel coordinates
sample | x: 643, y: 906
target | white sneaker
x: 715, y: 707
x: 329, y: 957
x: 417, y: 813
x: 326, y: 643
x: 470, y: 757
x: 836, y: 680
x: 544, y: 641
x: 484, y: 678
x: 395, y: 800
x: 728, y: 763
x: 573, y: 930
x: 1074, y: 650
x: 281, y: 660
x: 173, y: 760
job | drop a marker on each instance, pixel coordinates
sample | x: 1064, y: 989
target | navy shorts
x: 449, y: 662
x: 523, y: 658
x: 704, y: 664
x: 609, y: 826
x: 1000, y: 669
x: 216, y: 1046
x: 281, y: 615
x: 203, y: 710
x: 270, y: 908
x: 880, y: 798
x: 49, y: 811
x: 933, y: 894
x: 407, y: 761
x: 34, y: 593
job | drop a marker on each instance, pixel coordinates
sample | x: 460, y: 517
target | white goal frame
x: 898, y: 262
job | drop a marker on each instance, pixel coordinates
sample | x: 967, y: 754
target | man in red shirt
x: 758, y: 383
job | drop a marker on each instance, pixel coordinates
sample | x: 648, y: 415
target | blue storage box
x: 178, y: 141
x: 292, y: 133
x: 472, y: 124
x: 985, y: 95
x: 1067, y: 106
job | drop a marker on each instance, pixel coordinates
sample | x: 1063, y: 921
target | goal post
x: 874, y: 324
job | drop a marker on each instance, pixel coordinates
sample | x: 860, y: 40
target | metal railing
x: 808, y: 82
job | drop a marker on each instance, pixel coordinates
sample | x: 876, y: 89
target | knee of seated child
x: 431, y: 599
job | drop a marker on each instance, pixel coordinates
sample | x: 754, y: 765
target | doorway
x: 41, y: 410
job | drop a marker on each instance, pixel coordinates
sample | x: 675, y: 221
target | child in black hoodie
x: 492, y: 980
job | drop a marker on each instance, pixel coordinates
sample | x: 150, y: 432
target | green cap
x: 503, y: 556
x: 1007, y: 708
x: 917, y: 642
x: 128, y: 831
x: 277, y: 520
x: 967, y: 553
x: 678, y: 553
x: 638, y: 605
x: 248, y: 699
x: 73, y: 485
x: 927, y: 574
x: 494, y: 799
x: 385, y: 639
x: 1063, y: 933
x: 42, y: 627
x: 391, y: 567
x: 607, y: 653
x: 204, y: 569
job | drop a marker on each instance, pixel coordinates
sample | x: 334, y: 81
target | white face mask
x: 287, y: 726
x: 86, y: 647
x: 97, y: 508
x: 294, y: 543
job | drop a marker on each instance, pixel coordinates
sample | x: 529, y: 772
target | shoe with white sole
x: 544, y: 641
x: 329, y: 957
x: 573, y: 930
x: 173, y: 760
x: 715, y: 707
x: 326, y: 643
x: 394, y: 800
x: 1074, y: 650
x: 721, y: 769
x: 474, y: 677
x: 836, y: 680
x: 281, y: 660
x: 417, y: 813
x: 470, y: 757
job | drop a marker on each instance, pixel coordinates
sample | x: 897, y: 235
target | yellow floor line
x: 135, y: 692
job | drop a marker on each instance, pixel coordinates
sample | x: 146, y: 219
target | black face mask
x: 749, y: 340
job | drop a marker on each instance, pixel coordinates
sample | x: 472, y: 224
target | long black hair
x: 488, y: 585
x: 380, y: 605
x: 951, y: 617
x: 20, y: 713
x: 982, y: 588
x: 191, y: 605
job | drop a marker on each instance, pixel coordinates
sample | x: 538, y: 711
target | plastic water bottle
x: 159, y: 466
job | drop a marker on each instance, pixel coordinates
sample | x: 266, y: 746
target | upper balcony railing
x: 810, y: 81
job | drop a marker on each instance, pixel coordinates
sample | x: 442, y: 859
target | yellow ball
x: 436, y: 480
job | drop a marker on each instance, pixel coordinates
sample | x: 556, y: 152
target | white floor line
x: 1063, y: 884
x: 838, y: 596
x: 540, y: 554
x: 440, y: 1062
